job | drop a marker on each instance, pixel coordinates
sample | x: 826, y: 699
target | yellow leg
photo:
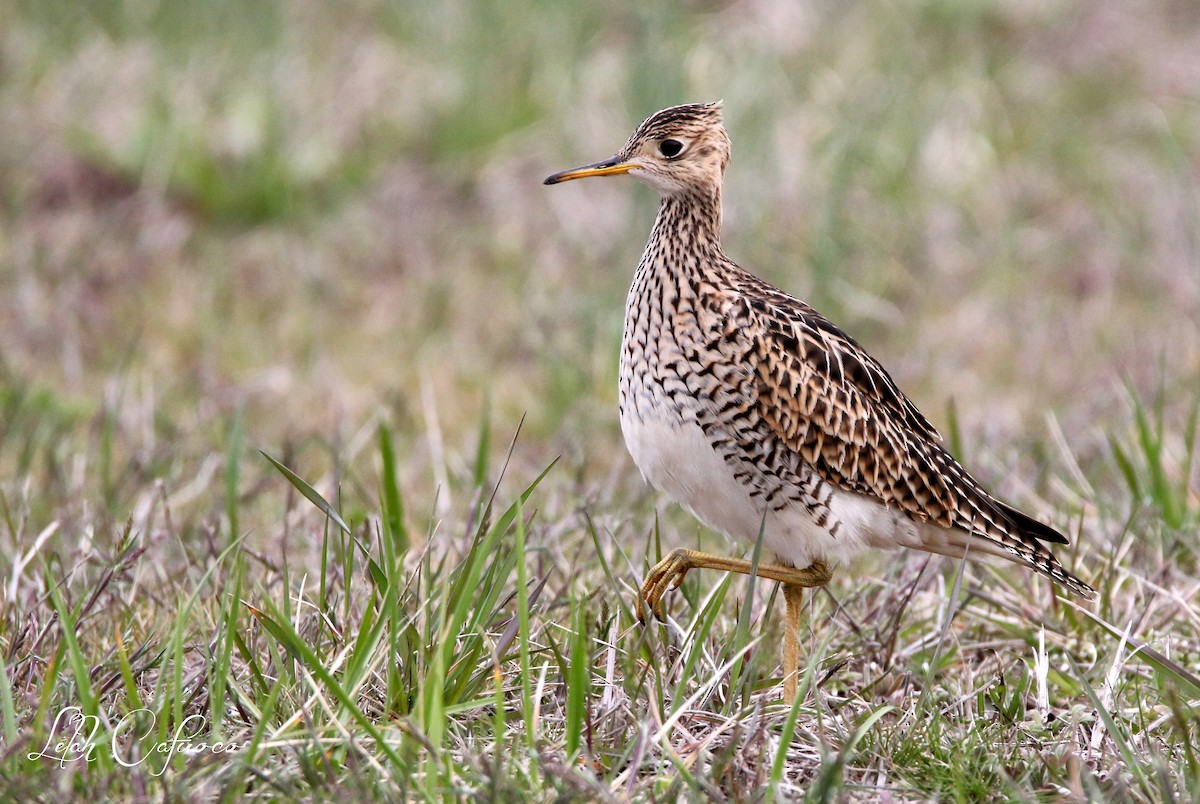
x: 793, y: 595
x: 669, y: 573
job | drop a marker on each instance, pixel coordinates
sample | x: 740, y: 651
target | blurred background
x: 229, y: 224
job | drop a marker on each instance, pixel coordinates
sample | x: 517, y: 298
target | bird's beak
x: 613, y: 166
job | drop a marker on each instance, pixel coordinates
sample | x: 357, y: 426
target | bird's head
x: 678, y: 151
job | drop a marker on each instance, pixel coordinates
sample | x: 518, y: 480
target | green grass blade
x: 66, y: 625
x: 741, y: 635
x: 233, y: 464
x: 1128, y: 755
x: 578, y: 679
x: 393, y: 507
x: 483, y: 447
x: 702, y: 624
x: 1165, y: 664
x: 311, y: 494
x: 220, y: 672
x: 828, y: 784
x: 287, y: 637
x: 8, y: 710
x: 523, y: 631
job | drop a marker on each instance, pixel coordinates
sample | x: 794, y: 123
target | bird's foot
x: 669, y: 574
x: 666, y: 575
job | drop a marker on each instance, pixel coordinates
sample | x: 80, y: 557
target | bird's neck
x: 687, y: 233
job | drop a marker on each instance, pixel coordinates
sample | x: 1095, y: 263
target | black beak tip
x: 551, y: 179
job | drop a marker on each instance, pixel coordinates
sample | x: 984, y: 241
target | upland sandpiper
x: 758, y: 415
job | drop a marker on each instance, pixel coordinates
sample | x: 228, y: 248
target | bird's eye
x: 670, y: 148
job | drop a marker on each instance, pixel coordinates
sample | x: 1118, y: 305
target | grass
x: 307, y: 400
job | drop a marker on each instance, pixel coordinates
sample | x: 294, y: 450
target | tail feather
x: 1030, y: 526
x: 1024, y: 549
x: 1035, y: 555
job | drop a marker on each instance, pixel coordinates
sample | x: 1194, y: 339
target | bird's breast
x: 686, y: 415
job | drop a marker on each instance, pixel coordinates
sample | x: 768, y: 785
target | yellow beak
x: 613, y: 166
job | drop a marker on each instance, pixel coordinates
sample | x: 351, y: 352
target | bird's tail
x: 1024, y: 548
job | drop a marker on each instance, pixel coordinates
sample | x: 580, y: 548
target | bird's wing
x: 838, y: 408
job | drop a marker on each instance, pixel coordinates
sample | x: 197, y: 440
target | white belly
x: 675, y: 457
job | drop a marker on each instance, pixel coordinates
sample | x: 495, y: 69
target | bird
x: 765, y: 420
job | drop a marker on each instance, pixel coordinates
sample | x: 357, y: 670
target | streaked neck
x: 688, y: 226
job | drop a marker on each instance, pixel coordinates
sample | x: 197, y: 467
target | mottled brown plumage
x: 759, y: 415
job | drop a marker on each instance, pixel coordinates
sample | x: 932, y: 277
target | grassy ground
x: 318, y: 231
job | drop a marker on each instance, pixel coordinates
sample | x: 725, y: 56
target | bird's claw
x: 665, y: 576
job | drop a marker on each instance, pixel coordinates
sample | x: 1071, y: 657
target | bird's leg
x: 793, y: 595
x: 669, y: 573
